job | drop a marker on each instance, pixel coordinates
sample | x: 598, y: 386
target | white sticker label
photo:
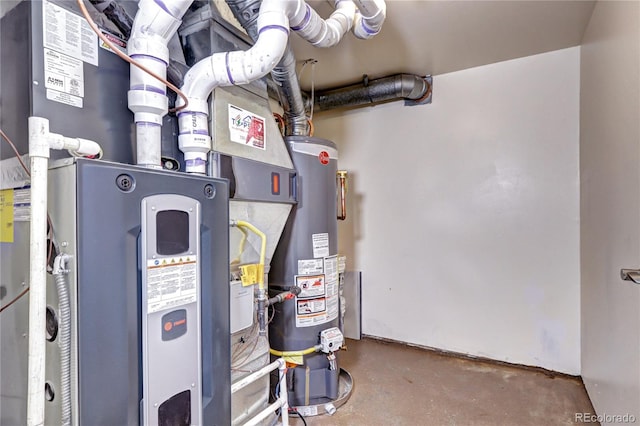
x: 310, y: 266
x: 64, y: 98
x: 63, y: 73
x: 309, y: 410
x: 331, y: 268
x: 171, y: 282
x: 332, y: 284
x: 68, y: 33
x: 22, y: 205
x: 246, y: 128
x: 342, y: 264
x: 320, y: 245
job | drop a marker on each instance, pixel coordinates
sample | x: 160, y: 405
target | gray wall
x: 610, y: 207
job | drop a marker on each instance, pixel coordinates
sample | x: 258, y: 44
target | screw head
x: 209, y: 191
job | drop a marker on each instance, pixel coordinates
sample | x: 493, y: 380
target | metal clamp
x: 630, y: 275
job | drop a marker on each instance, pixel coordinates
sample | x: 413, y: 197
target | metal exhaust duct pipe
x: 415, y: 90
x: 284, y: 73
x: 116, y: 14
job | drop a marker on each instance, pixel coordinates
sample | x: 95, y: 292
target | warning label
x: 116, y: 41
x: 246, y: 128
x: 311, y: 286
x: 312, y: 306
x: 68, y: 33
x: 171, y: 282
x: 317, y: 302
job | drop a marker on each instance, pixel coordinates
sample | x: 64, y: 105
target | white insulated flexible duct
x: 154, y: 25
x: 241, y: 67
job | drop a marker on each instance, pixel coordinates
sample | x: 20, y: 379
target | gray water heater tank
x: 307, y: 257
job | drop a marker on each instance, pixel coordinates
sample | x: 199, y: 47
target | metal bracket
x: 630, y: 275
x: 427, y: 98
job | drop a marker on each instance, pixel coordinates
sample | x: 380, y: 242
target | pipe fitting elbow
x: 369, y: 18
x: 158, y: 19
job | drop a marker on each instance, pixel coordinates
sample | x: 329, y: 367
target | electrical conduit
x: 154, y: 25
x: 64, y: 311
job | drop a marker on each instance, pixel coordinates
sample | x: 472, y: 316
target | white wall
x: 610, y: 207
x: 464, y: 214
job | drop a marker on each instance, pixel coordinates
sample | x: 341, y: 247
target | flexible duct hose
x: 64, y: 311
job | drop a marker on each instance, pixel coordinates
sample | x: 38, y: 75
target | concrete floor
x: 400, y: 385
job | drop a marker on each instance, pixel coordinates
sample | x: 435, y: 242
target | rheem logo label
x: 323, y: 157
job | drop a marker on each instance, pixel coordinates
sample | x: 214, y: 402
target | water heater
x: 306, y: 257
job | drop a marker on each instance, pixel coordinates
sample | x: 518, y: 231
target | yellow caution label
x: 251, y: 274
x: 6, y: 216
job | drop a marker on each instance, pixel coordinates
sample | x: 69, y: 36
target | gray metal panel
x: 353, y: 299
x: 15, y: 35
x: 104, y: 116
x: 14, y: 270
x: 252, y: 180
x: 269, y: 218
x: 62, y: 210
x: 275, y: 151
x: 109, y: 333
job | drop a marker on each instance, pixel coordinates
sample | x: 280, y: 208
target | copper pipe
x: 342, y: 194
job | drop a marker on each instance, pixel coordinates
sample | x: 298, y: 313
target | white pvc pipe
x: 241, y: 67
x: 226, y: 69
x: 266, y: 412
x: 155, y: 23
x: 256, y: 375
x: 329, y: 32
x: 281, y: 403
x: 39, y: 164
x: 370, y: 17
